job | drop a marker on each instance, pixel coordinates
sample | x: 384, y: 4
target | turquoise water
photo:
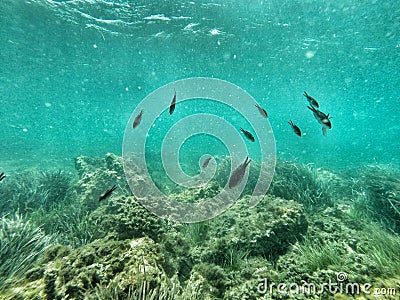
x: 72, y: 72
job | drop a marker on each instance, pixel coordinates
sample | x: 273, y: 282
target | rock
x: 124, y: 265
x: 127, y: 218
x: 266, y: 230
x: 97, y: 176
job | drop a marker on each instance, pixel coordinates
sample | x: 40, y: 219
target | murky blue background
x: 72, y: 72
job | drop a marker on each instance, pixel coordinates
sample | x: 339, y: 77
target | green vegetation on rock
x: 306, y: 229
x: 21, y: 244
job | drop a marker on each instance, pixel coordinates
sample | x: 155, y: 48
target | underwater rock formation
x: 97, y: 176
x: 265, y: 230
x: 137, y: 255
x: 126, y: 218
x: 122, y: 265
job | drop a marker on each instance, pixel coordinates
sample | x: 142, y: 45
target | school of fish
x: 238, y: 174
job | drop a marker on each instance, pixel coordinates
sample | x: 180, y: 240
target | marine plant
x: 382, y: 249
x: 33, y: 189
x: 376, y: 194
x: 300, y: 182
x: 291, y: 181
x: 68, y: 222
x: 319, y: 255
x: 196, y: 233
x: 21, y: 244
x: 235, y: 258
x: 165, y: 289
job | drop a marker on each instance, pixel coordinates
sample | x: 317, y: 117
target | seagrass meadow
x: 89, y: 89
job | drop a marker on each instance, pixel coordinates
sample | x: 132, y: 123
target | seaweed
x: 69, y: 223
x: 165, y: 289
x: 300, y: 182
x: 291, y: 181
x: 320, y: 255
x: 31, y: 190
x: 21, y: 244
x: 382, y: 249
x: 376, y: 195
x: 196, y: 233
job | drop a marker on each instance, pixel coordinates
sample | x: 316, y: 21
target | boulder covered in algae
x: 266, y: 230
x: 82, y: 273
x: 127, y: 218
x: 97, y: 175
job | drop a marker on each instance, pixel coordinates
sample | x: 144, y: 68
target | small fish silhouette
x: 262, y: 111
x: 310, y: 99
x: 107, y: 193
x: 172, y: 106
x: 137, y: 119
x: 2, y: 176
x: 296, y: 129
x: 247, y: 134
x: 238, y: 173
x: 322, y: 118
x: 206, y: 162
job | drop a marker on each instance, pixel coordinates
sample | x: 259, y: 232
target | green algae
x: 132, y: 254
x: 376, y: 195
x: 31, y: 190
x: 125, y: 216
x: 21, y: 244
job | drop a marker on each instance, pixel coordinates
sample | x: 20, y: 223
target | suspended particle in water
x: 310, y: 54
x: 47, y: 104
x: 226, y: 56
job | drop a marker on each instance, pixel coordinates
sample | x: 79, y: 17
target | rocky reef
x: 124, y: 251
x: 266, y: 230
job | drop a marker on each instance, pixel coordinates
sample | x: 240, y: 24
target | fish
x: 247, y: 134
x: 2, y: 176
x: 296, y: 129
x: 206, y: 162
x: 322, y: 118
x: 238, y: 173
x: 107, y: 193
x: 137, y: 119
x: 262, y: 111
x: 310, y: 99
x: 173, y: 102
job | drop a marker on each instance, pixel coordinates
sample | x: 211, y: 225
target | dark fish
x: 310, y: 99
x: 262, y: 111
x: 237, y: 175
x: 138, y: 119
x: 206, y: 162
x: 296, y: 129
x: 2, y: 176
x: 172, y: 106
x: 247, y: 134
x: 322, y: 118
x: 108, y: 193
